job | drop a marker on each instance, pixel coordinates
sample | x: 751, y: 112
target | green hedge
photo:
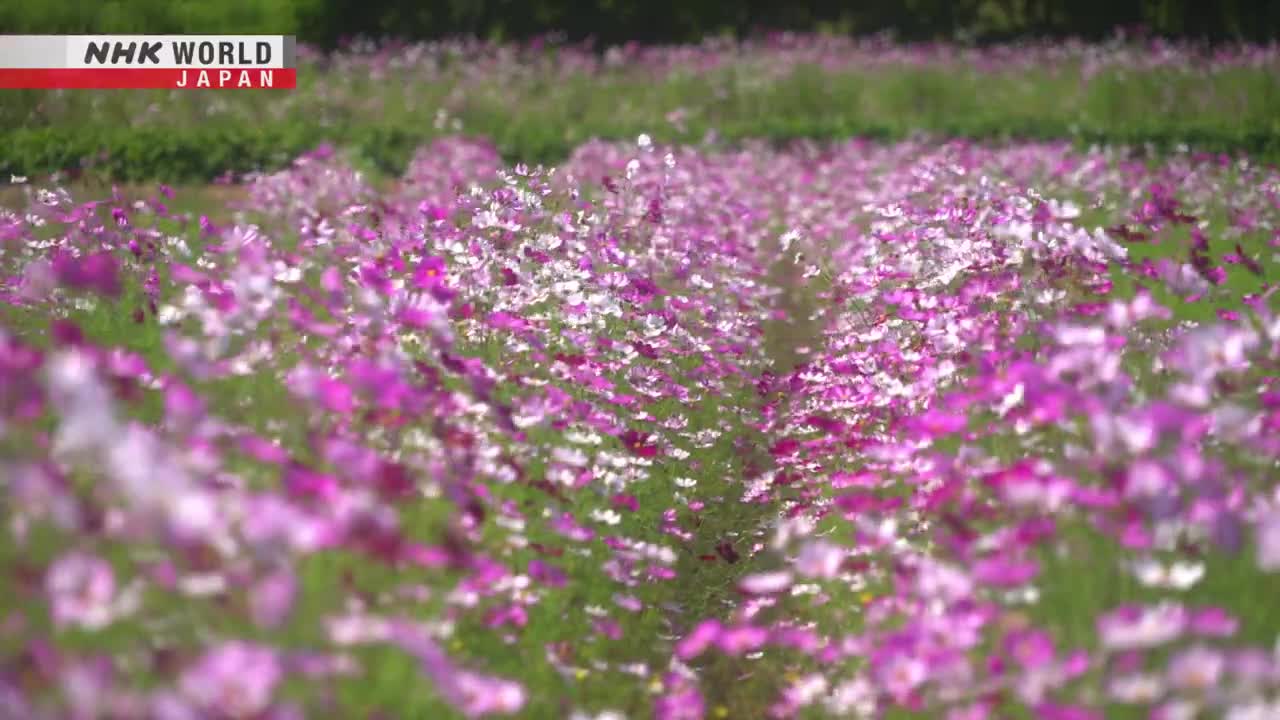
x: 189, y: 154
x: 198, y: 154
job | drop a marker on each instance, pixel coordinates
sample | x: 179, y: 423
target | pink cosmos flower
x: 99, y: 272
x: 1056, y: 711
x: 901, y: 675
x: 1134, y: 627
x: 1268, y: 542
x: 1196, y: 669
x: 699, y: 639
x: 766, y: 583
x: 1030, y: 649
x: 1005, y: 571
x: 1212, y: 622
x: 740, y: 639
x: 680, y: 700
x: 236, y: 678
x: 820, y: 559
x: 82, y: 590
x: 272, y: 598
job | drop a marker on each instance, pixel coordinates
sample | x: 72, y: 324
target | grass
x: 535, y: 114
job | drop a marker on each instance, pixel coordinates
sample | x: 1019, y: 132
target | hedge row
x: 203, y: 153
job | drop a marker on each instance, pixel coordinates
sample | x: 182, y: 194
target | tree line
x: 330, y: 23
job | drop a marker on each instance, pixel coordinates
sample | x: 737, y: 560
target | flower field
x: 919, y: 429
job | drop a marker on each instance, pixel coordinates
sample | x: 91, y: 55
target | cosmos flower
x: 609, y: 433
x: 82, y: 591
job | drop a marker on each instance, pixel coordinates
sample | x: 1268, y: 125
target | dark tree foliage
x: 329, y: 23
x: 666, y: 21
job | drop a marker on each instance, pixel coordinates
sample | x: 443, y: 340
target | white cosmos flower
x: 654, y: 325
x: 1178, y: 575
x: 787, y: 238
x: 608, y: 517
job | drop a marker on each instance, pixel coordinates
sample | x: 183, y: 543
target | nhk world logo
x: 253, y: 62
